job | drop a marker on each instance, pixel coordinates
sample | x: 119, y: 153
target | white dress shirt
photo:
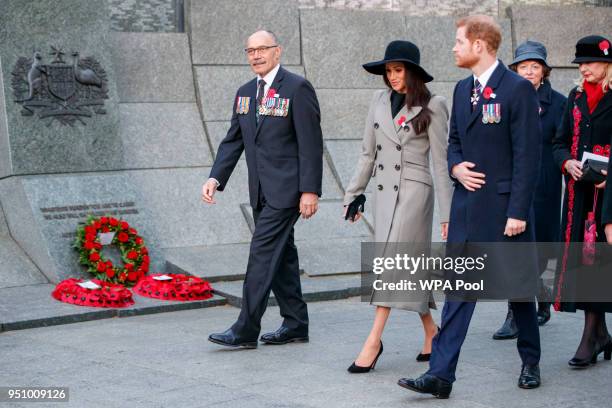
x: 485, y: 76
x: 269, y: 78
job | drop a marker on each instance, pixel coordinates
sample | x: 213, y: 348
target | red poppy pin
x: 402, y: 123
x: 604, y: 45
x: 271, y: 93
x: 488, y: 93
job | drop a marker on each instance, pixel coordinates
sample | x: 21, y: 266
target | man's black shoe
x: 283, y: 336
x: 229, y: 339
x: 530, y: 377
x: 509, y: 330
x: 428, y: 384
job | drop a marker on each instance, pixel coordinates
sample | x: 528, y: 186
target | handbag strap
x: 595, y: 199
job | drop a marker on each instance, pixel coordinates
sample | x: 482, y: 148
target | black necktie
x: 475, y: 94
x: 260, y: 95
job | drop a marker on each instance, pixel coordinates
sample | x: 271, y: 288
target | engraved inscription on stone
x: 81, y: 211
x: 62, y: 91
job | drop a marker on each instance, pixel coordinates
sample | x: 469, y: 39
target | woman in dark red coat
x: 586, y: 127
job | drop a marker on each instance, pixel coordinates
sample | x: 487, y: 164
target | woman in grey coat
x: 405, y: 123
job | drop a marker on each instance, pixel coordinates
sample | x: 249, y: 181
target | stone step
x: 228, y: 262
x: 315, y: 289
x: 27, y: 307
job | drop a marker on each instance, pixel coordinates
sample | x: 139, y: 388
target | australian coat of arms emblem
x: 62, y: 91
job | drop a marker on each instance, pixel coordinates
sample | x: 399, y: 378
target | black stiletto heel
x: 355, y: 369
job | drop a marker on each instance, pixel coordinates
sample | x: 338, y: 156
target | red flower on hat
x: 604, y: 45
x: 487, y: 92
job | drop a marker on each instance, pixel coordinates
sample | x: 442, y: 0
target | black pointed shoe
x: 229, y: 339
x: 283, y: 336
x: 421, y: 357
x: 355, y: 369
x: 530, y: 377
x: 509, y: 330
x: 428, y: 384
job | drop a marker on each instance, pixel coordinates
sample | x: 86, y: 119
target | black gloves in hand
x: 354, y: 207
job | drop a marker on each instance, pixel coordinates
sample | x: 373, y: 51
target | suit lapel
x: 387, y: 120
x: 492, y: 83
x: 581, y: 102
x: 252, y: 90
x: 464, y: 98
x: 276, y: 84
x: 544, y: 96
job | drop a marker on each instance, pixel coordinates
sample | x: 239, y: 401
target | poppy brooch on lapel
x: 487, y: 93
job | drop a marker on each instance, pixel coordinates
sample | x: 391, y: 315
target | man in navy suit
x: 276, y: 122
x: 493, y: 158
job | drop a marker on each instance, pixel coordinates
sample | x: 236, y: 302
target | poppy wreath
x: 134, y: 253
x: 108, y: 295
x: 181, y: 287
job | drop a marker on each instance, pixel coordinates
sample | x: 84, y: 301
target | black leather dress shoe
x: 543, y: 313
x: 544, y: 304
x: 530, y: 377
x: 229, y: 339
x: 509, y: 330
x: 283, y: 336
x: 428, y: 384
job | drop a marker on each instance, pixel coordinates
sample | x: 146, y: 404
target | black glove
x: 354, y: 207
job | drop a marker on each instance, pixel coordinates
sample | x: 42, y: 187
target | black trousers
x: 273, y: 265
x: 456, y: 317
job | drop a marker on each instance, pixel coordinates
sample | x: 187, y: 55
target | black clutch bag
x: 354, y: 207
x: 591, y: 171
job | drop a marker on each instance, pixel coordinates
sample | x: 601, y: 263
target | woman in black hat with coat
x: 586, y: 127
x: 404, y: 124
x: 530, y: 63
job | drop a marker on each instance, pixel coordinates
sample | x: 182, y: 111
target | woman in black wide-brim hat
x: 580, y: 281
x: 404, y: 124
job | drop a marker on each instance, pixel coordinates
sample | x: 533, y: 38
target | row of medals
x: 491, y: 113
x: 274, y: 107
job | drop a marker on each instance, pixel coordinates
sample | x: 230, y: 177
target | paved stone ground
x: 165, y: 361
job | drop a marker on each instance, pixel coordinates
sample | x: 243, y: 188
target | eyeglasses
x: 252, y: 51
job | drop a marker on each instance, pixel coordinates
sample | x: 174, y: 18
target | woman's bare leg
x: 430, y: 328
x: 372, y: 344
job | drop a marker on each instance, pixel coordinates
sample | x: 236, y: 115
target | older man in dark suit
x: 493, y: 156
x: 276, y: 122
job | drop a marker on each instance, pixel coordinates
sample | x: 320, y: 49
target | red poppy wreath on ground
x: 174, y: 287
x: 134, y: 253
x: 106, y: 295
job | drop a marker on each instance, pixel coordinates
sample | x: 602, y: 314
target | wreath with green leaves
x: 134, y: 253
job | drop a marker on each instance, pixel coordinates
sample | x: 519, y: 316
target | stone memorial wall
x: 163, y: 103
